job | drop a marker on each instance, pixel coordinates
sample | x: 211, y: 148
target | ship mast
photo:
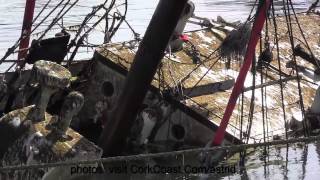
x: 143, y: 69
x: 26, y: 28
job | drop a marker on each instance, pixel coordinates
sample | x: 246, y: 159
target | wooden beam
x: 301, y: 52
x: 206, y: 89
x: 270, y: 83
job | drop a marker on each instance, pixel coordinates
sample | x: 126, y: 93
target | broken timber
x: 301, y: 52
x: 270, y: 83
x: 205, y: 89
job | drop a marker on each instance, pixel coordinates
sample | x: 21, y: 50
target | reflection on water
x: 297, y: 162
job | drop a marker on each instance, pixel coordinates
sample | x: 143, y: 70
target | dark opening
x: 178, y: 131
x: 107, y: 89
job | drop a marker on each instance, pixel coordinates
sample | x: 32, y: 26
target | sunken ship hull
x: 180, y: 111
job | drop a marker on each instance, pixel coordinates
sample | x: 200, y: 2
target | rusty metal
x: 146, y: 61
x: 26, y: 28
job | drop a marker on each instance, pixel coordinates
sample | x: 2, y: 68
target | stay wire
x: 84, y: 23
x: 209, y: 69
x: 41, y: 11
x: 302, y: 34
x: 290, y: 31
x: 262, y: 99
x: 59, y: 15
x: 279, y: 66
x: 94, y: 25
x: 16, y: 44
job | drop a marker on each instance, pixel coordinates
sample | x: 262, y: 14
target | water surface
x: 139, y: 14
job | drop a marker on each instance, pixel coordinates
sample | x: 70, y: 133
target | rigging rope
x: 59, y: 16
x: 290, y: 33
x: 12, y: 48
x: 41, y: 11
x: 279, y: 66
x: 301, y: 32
x: 112, y: 29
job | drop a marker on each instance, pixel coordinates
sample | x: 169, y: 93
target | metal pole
x: 26, y: 28
x: 143, y: 69
x: 238, y: 87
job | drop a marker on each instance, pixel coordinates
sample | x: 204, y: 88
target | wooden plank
x: 269, y: 83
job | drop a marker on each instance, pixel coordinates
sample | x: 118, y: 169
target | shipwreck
x: 226, y: 95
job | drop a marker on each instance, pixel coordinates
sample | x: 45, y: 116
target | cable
x: 290, y: 31
x: 232, y: 148
x: 59, y: 16
x: 12, y: 48
x: 87, y: 32
x: 41, y: 11
x: 279, y: 66
x: 302, y: 34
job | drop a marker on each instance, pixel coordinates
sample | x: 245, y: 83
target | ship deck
x: 178, y: 70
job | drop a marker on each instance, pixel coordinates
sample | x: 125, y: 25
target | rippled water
x: 139, y: 14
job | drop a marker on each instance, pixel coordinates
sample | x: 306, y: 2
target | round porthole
x: 178, y: 131
x: 107, y: 89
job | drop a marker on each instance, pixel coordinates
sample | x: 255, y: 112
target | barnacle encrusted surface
x: 51, y: 74
x: 71, y: 106
x: 37, y: 142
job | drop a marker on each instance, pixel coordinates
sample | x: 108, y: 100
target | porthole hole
x: 178, y: 131
x: 107, y: 89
